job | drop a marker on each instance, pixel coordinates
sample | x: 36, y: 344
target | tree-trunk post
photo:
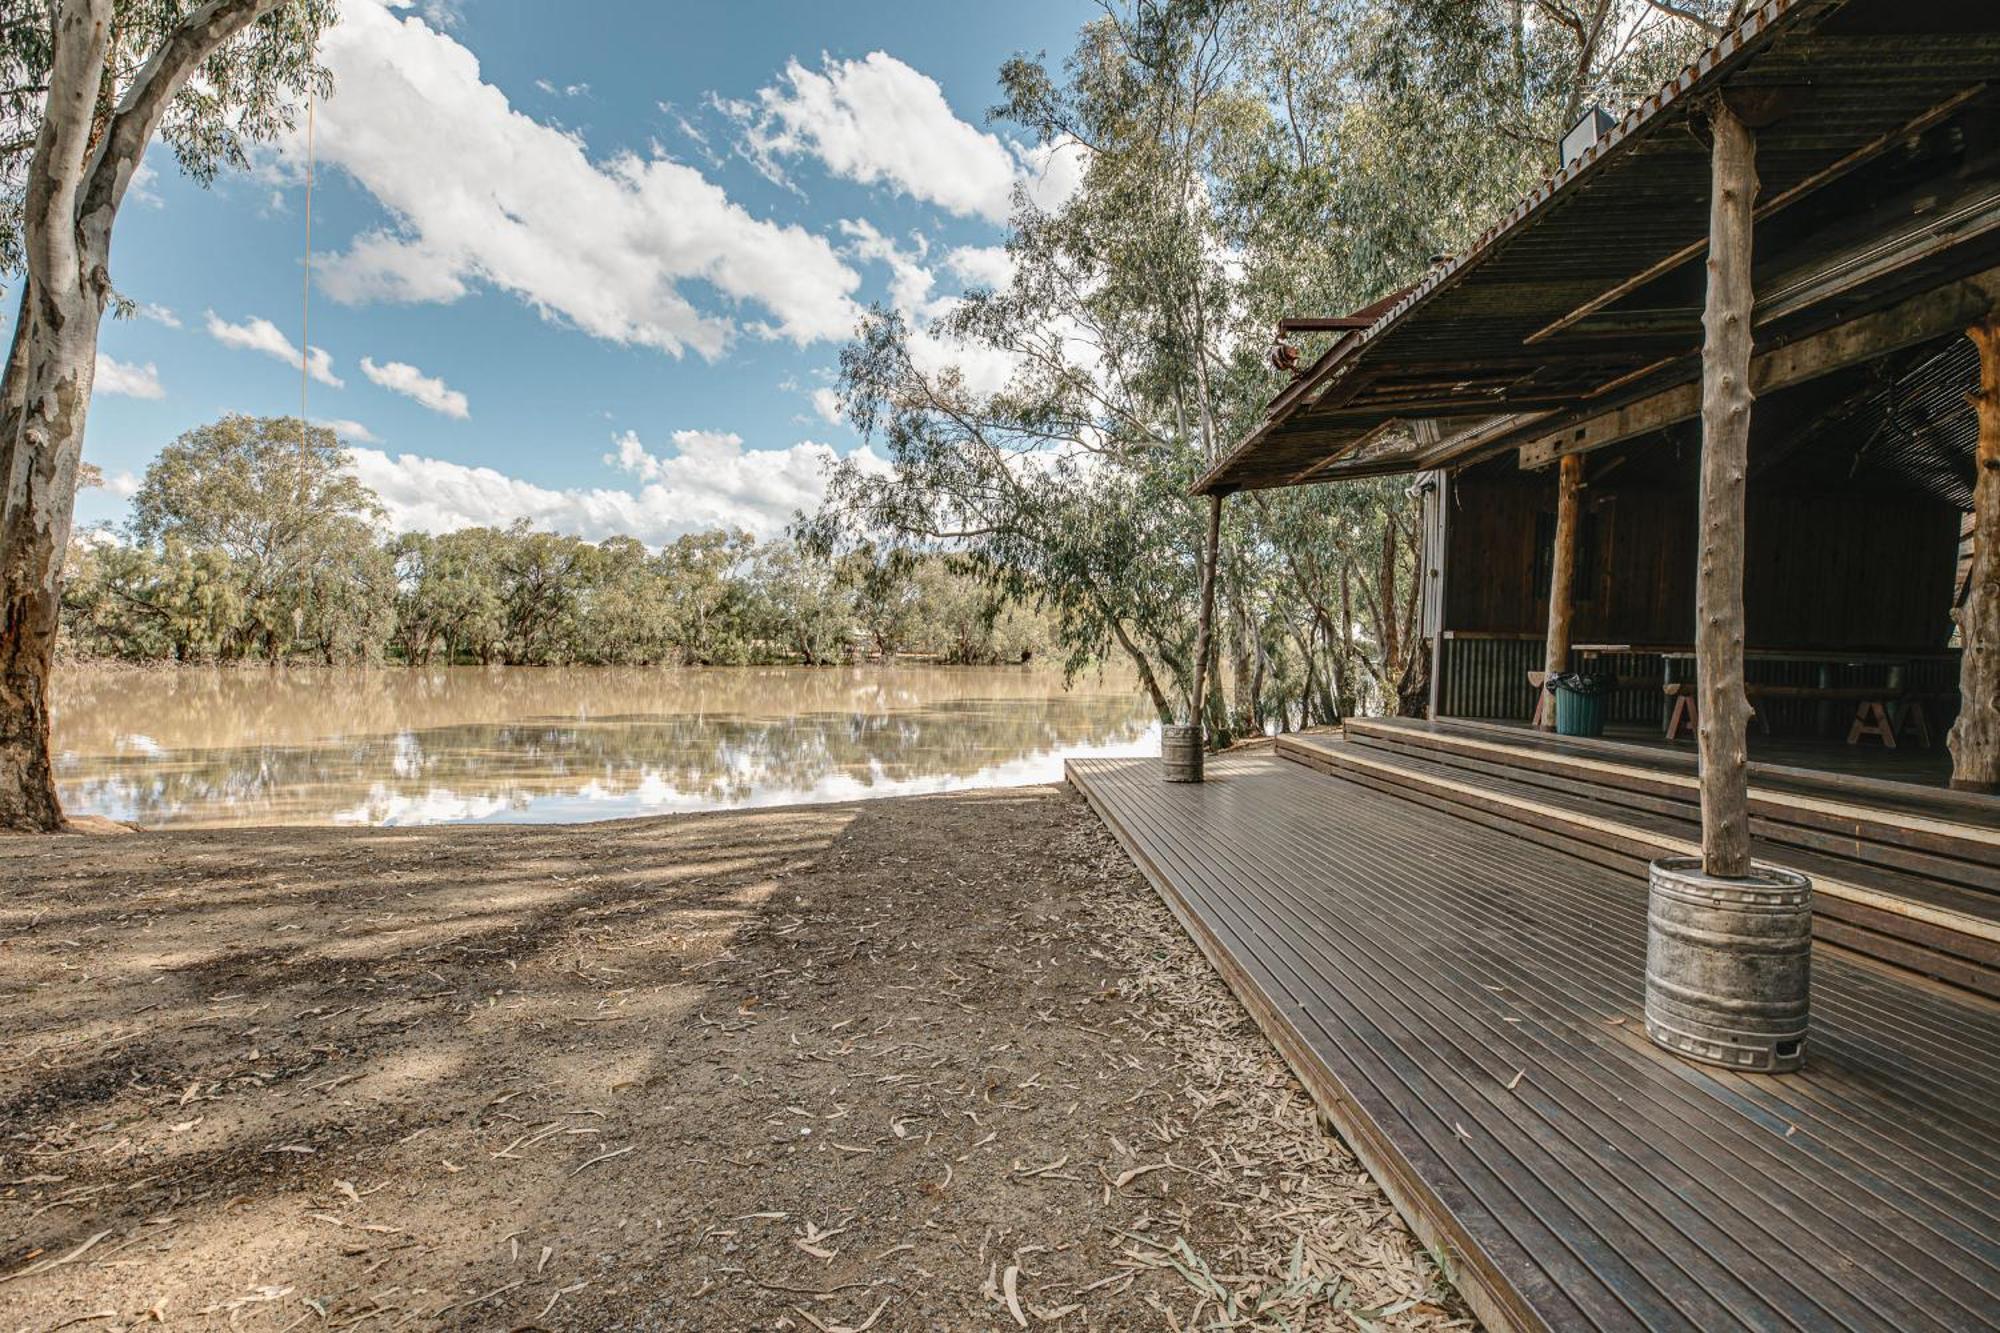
x: 1728, y: 943
x: 1181, y: 745
x: 1975, y: 737
x: 1562, y: 576
x: 1442, y: 576
x: 1204, y: 638
x: 1725, y: 458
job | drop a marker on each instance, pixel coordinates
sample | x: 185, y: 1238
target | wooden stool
x: 1886, y: 721
x: 1910, y: 716
x: 1684, y: 712
x: 1871, y: 718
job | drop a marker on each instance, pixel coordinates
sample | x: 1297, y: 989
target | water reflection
x: 400, y: 746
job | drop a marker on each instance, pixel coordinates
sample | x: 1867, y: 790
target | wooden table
x: 1673, y: 655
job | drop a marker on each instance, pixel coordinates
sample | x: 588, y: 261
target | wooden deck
x: 1465, y: 1005
x: 1906, y: 874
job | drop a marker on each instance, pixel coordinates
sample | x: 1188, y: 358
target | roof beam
x: 1920, y: 319
x: 1866, y: 153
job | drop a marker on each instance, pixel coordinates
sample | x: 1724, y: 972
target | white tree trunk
x: 76, y: 181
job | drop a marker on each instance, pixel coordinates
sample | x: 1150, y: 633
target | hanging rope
x: 305, y: 293
x: 305, y: 341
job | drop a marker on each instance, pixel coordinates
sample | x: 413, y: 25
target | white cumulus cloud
x: 879, y: 121
x: 261, y: 335
x: 348, y: 431
x: 707, y: 480
x: 123, y: 484
x: 827, y: 403
x: 133, y: 381
x: 432, y: 392
x: 988, y: 266
x: 488, y: 195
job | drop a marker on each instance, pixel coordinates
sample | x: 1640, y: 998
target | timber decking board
x: 1385, y: 947
x: 1931, y: 846
x: 1827, y: 771
x: 1968, y: 919
x: 1947, y: 952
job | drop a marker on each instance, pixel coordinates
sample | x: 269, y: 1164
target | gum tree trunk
x: 1204, y: 636
x: 1975, y: 737
x: 1725, y: 457
x: 76, y: 180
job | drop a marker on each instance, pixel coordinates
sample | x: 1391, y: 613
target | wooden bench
x: 1881, y: 713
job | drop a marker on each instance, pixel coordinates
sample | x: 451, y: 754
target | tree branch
x: 1672, y: 10
x: 138, y: 116
x: 83, y: 35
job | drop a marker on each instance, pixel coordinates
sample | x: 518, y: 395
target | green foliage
x: 1245, y: 160
x: 275, y: 501
x: 252, y: 541
x: 245, y: 93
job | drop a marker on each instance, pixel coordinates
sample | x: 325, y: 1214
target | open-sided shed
x: 1548, y: 385
x: 1717, y: 408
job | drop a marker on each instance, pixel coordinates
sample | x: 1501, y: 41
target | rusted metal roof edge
x: 1707, y: 68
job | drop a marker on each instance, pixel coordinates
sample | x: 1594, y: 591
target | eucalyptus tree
x: 801, y: 606
x: 1066, y: 484
x: 704, y: 573
x: 1246, y: 160
x: 277, y: 499
x: 149, y: 604
x: 93, y: 83
x: 449, y: 597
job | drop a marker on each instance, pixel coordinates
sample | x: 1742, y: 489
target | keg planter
x: 1180, y: 752
x: 1729, y: 965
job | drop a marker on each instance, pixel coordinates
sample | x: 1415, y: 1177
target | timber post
x: 1562, y: 578
x: 1204, y: 637
x: 1728, y: 943
x: 1181, y: 746
x: 1975, y: 737
x: 1725, y: 465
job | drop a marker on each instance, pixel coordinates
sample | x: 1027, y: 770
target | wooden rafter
x: 1919, y: 319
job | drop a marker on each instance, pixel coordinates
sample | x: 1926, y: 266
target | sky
x: 588, y: 265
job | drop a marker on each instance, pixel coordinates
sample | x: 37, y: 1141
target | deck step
x: 1951, y: 850
x: 1941, y: 929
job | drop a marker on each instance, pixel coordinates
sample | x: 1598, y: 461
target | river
x: 194, y: 747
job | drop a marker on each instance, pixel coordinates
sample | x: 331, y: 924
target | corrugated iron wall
x: 1488, y: 677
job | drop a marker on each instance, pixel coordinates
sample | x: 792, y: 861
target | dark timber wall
x: 1856, y: 568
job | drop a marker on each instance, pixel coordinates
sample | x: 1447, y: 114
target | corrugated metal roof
x: 1520, y: 322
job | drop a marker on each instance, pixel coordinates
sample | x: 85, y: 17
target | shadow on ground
x: 800, y: 1067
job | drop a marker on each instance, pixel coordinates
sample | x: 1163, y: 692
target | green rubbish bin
x: 1581, y: 701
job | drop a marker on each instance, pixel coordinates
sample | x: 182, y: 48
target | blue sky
x: 561, y: 262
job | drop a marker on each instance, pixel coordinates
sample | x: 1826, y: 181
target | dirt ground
x: 928, y: 1063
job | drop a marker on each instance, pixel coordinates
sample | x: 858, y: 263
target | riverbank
x: 940, y: 1062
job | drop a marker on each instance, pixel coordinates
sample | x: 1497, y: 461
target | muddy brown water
x: 199, y: 747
